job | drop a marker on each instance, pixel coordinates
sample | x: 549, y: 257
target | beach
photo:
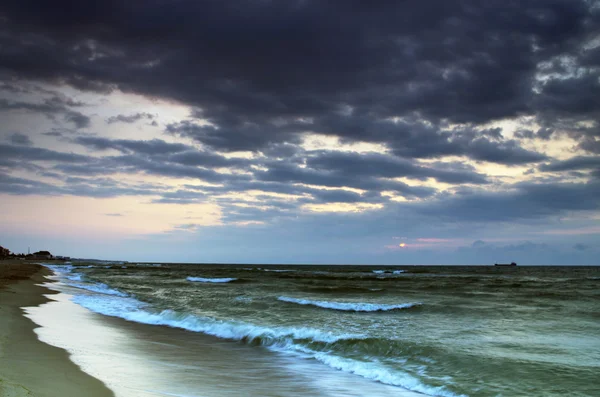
x: 195, y: 330
x: 77, y: 352
x: 29, y: 367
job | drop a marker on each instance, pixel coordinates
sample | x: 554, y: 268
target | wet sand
x: 29, y: 367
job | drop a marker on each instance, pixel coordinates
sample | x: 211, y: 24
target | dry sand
x: 29, y: 367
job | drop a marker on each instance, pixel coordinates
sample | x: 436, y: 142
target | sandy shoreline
x: 29, y: 367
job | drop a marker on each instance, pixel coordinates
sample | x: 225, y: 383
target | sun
x: 401, y: 245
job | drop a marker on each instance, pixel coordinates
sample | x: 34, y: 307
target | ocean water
x: 438, y: 331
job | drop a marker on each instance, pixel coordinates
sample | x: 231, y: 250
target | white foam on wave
x: 60, y: 269
x: 76, y: 280
x: 378, y: 372
x: 290, y: 340
x: 388, y: 271
x: 75, y: 277
x: 210, y: 280
x: 134, y: 310
x: 348, y: 306
x: 99, y: 288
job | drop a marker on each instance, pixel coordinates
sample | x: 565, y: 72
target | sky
x: 340, y: 132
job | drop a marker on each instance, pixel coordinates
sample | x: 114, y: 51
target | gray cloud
x: 378, y: 165
x: 155, y: 146
x: 574, y: 163
x: 426, y: 80
x: 523, y: 201
x: 472, y: 64
x: 129, y: 119
x: 28, y: 153
x: 51, y: 107
x: 20, y: 139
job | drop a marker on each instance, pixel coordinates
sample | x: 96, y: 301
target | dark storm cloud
x: 236, y: 137
x: 259, y: 69
x: 423, y: 79
x: 289, y: 173
x: 541, y: 133
x: 132, y: 118
x: 416, y: 138
x: 155, y: 146
x: 372, y: 173
x: 322, y: 168
x: 572, y: 164
x: 378, y: 165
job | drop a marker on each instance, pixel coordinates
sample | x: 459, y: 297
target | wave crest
x: 210, y: 280
x: 134, y: 310
x: 349, y: 306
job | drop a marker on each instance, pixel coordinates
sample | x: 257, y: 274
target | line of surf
x: 77, y: 280
x: 348, y: 306
x: 210, y: 280
x: 286, y: 339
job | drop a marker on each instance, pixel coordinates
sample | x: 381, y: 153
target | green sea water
x: 441, y: 331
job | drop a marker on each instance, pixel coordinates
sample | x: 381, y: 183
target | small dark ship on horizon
x: 506, y: 264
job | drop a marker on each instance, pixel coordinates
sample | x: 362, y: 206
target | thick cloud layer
x: 256, y: 69
x: 439, y: 113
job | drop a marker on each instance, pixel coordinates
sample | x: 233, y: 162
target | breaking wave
x: 210, y: 280
x: 77, y: 280
x: 133, y: 310
x: 348, y: 306
x: 303, y: 341
x: 99, y: 288
x: 388, y: 271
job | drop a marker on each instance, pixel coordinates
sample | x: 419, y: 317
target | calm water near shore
x: 217, y: 330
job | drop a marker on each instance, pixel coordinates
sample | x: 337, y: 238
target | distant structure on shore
x: 506, y: 264
x: 42, y: 255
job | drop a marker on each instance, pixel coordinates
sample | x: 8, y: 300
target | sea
x: 149, y: 329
